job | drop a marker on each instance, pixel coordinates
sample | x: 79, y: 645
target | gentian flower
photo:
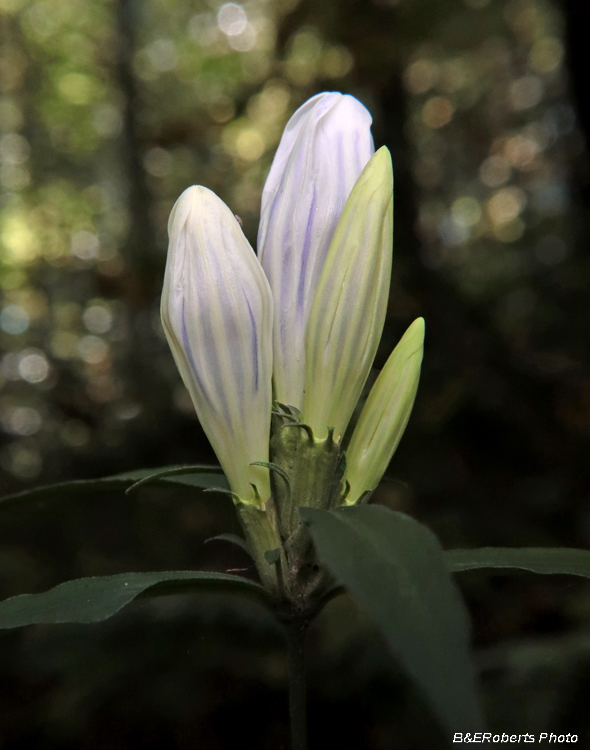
x: 385, y: 415
x: 217, y: 315
x: 350, y: 303
x: 324, y: 148
x: 325, y: 247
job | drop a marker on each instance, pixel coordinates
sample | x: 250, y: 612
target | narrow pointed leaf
x: 210, y: 477
x: 203, y: 481
x: 231, y: 539
x: 87, y: 600
x: 167, y: 473
x: 395, y: 567
x: 550, y: 560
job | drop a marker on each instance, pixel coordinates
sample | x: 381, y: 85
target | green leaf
x: 272, y: 556
x: 86, y: 600
x: 232, y: 539
x: 395, y: 567
x: 552, y: 560
x: 204, y: 481
x: 211, y: 476
x: 168, y: 473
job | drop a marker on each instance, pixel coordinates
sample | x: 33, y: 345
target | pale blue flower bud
x: 348, y: 312
x: 323, y: 150
x: 385, y: 415
x: 217, y: 314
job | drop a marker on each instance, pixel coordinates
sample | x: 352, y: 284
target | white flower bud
x: 385, y: 415
x: 217, y: 314
x: 323, y: 150
x: 348, y: 312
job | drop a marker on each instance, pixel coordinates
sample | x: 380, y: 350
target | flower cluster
x: 294, y: 330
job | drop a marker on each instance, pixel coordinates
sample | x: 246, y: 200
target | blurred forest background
x: 108, y: 110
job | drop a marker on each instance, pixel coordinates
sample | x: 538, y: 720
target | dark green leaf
x: 86, y: 600
x: 272, y: 556
x: 575, y: 562
x: 223, y: 491
x: 232, y: 539
x: 171, y: 472
x: 211, y: 476
x: 205, y: 481
x: 394, y: 566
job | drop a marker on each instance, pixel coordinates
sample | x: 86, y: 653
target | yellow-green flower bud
x: 217, y: 315
x: 385, y: 414
x: 349, y: 306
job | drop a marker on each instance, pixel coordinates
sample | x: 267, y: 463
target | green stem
x: 296, y: 632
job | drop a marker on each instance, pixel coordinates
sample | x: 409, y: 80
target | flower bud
x: 217, y: 315
x: 385, y: 415
x: 323, y: 150
x: 348, y: 312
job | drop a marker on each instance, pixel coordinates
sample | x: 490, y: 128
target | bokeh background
x: 108, y: 110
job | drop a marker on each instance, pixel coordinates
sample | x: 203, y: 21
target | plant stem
x: 296, y: 631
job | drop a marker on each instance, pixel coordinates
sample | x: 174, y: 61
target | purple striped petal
x: 323, y: 150
x: 217, y: 314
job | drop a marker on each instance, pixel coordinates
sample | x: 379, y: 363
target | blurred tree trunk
x: 144, y: 264
x: 140, y: 249
x: 575, y: 13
